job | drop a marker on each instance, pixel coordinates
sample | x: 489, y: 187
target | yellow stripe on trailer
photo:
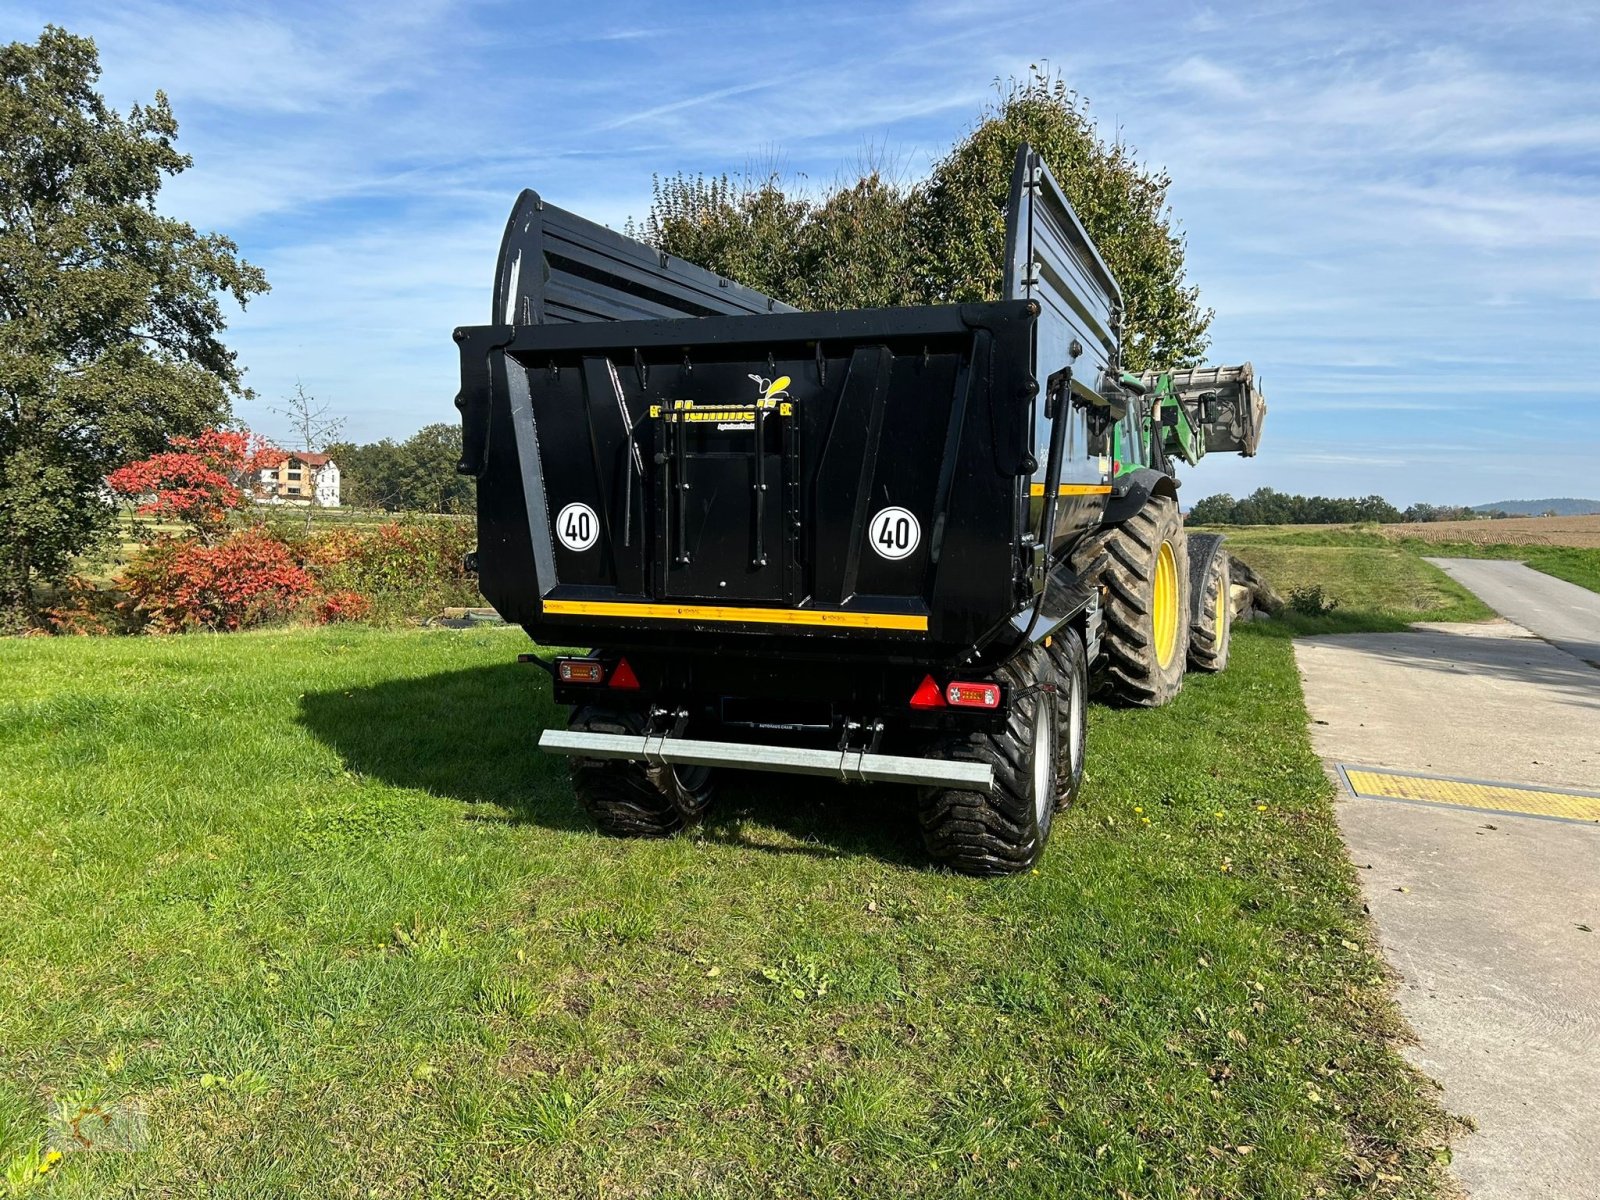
x: 1073, y: 489
x: 754, y: 616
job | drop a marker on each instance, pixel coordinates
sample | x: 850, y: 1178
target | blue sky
x: 1394, y: 209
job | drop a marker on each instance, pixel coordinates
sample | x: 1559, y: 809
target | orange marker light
x: 580, y: 670
x: 973, y: 695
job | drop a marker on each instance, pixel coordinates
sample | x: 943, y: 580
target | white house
x: 303, y: 477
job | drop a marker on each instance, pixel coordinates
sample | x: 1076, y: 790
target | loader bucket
x: 1225, y: 403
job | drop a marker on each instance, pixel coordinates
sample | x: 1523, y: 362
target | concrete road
x: 1562, y: 613
x: 1483, y: 701
x: 1493, y: 921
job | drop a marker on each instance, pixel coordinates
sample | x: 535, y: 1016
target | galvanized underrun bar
x: 851, y: 766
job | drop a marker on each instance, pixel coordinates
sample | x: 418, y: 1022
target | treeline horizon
x: 1266, y: 506
x: 414, y: 475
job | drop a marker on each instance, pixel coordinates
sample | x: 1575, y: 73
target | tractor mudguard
x: 1203, y: 547
x: 1133, y: 491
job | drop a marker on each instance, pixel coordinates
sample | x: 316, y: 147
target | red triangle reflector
x: 928, y: 694
x: 623, y: 677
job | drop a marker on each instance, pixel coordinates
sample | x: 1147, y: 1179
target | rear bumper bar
x: 850, y: 766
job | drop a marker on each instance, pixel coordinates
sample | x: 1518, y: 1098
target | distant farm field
x: 1381, y: 567
x: 1582, y: 532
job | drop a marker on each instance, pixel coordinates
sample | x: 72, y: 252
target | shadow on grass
x: 472, y: 735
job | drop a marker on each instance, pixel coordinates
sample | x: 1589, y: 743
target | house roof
x: 309, y: 457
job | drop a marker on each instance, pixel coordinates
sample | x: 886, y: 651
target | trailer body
x: 778, y: 529
x: 884, y: 500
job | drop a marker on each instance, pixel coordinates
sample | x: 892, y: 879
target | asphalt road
x: 1492, y: 919
x: 1562, y: 613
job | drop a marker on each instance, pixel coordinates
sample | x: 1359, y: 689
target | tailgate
x: 850, y: 475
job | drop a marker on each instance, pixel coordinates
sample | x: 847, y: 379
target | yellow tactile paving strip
x: 1470, y: 793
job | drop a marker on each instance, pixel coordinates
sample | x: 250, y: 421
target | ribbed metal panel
x: 557, y: 268
x: 1051, y: 259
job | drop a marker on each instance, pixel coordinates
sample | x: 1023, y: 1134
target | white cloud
x: 1391, y: 208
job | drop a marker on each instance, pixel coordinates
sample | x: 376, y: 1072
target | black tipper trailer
x: 808, y: 542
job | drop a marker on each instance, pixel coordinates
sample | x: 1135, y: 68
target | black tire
x: 1070, y: 663
x: 1211, y: 628
x: 1003, y: 831
x: 1124, y: 559
x: 630, y: 799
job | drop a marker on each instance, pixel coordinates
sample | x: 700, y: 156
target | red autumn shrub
x: 82, y: 608
x: 199, y: 480
x: 247, y: 579
x: 343, y: 606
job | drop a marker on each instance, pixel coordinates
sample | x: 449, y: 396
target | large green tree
x: 416, y: 475
x: 109, y: 312
x: 1121, y: 203
x: 874, y: 243
x: 744, y: 230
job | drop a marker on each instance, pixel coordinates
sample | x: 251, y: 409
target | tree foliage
x: 1121, y: 203
x: 746, y: 231
x: 1267, y: 507
x: 248, y: 578
x: 109, y: 312
x: 876, y: 243
x: 416, y: 475
x: 197, y: 481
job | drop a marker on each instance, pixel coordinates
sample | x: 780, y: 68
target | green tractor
x: 1166, y: 595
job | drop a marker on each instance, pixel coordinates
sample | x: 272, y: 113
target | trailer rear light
x: 580, y: 670
x: 928, y: 694
x: 973, y: 695
x: 623, y: 677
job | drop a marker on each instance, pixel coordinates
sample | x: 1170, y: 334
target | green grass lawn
x: 1378, y: 586
x: 311, y: 902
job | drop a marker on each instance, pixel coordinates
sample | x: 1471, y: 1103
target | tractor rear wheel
x: 1212, y: 627
x: 1002, y: 831
x: 1143, y: 564
x: 631, y: 799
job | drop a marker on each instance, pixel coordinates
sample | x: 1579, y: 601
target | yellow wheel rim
x: 1219, y: 613
x: 1164, y: 612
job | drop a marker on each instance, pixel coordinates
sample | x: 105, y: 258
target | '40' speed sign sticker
x: 577, y: 526
x: 894, y: 533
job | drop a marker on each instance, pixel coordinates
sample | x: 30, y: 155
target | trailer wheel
x: 1212, y: 627
x: 1143, y: 564
x: 630, y: 799
x: 1071, y: 665
x: 1003, y: 831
